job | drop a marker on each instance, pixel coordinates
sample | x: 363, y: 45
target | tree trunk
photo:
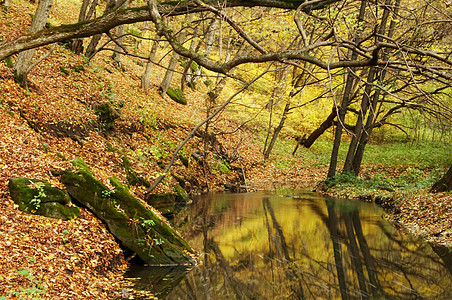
x: 169, y: 74
x: 145, y: 79
x: 320, y: 130
x: 276, y: 96
x: 173, y: 62
x: 360, y: 121
x: 444, y: 184
x: 77, y: 45
x: 119, y: 40
x: 210, y: 38
x: 277, y: 130
x: 348, y: 165
x: 345, y: 100
x: 23, y: 62
x: 370, y: 123
x: 91, y: 49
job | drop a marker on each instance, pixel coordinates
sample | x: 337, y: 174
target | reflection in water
x: 262, y: 246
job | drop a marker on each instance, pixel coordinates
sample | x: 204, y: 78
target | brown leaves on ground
x: 426, y: 215
x: 72, y: 260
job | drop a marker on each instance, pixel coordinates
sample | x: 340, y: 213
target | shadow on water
x: 304, y: 246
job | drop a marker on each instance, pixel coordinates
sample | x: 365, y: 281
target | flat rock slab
x: 40, y: 198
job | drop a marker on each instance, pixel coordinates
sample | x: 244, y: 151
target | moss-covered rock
x: 132, y: 177
x: 127, y: 218
x: 182, y: 196
x: 40, y: 198
x: 165, y: 203
x: 177, y: 95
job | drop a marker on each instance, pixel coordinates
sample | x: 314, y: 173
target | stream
x: 296, y: 245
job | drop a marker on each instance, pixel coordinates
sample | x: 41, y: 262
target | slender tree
x: 145, y: 78
x: 23, y: 64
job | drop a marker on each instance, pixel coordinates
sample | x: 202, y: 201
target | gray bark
x: 116, y: 56
x: 173, y: 62
x: 145, y: 79
x: 23, y: 62
x: 210, y: 38
x: 112, y: 5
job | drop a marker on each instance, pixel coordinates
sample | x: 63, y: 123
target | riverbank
x: 411, y: 209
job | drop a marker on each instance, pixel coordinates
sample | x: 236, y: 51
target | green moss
x: 80, y: 164
x: 9, y: 62
x: 39, y: 197
x: 125, y: 216
x: 58, y: 211
x: 132, y: 176
x: 181, y: 195
x: 173, y: 3
x: 64, y: 70
x: 177, y: 95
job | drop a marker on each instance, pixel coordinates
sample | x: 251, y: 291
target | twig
x: 194, y: 130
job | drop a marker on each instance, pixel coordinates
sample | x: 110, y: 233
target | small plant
x: 147, y: 224
x: 221, y: 165
x: 37, y: 199
x: 106, y: 193
x: 158, y: 241
x: 36, y: 288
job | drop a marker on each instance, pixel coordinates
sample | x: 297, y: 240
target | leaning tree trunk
x: 146, y: 78
x: 320, y: 130
x: 277, y: 130
x: 444, y: 184
x: 23, y: 62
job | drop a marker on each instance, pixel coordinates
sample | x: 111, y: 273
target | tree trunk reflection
x: 257, y: 246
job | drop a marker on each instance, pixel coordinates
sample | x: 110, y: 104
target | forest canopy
x: 373, y: 59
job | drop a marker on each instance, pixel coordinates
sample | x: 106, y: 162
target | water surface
x: 297, y: 246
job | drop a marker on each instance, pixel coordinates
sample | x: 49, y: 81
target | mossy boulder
x: 40, y: 198
x: 177, y: 95
x: 127, y: 218
x: 165, y: 203
x: 182, y: 196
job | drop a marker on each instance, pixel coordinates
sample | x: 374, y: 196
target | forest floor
x: 53, y: 122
